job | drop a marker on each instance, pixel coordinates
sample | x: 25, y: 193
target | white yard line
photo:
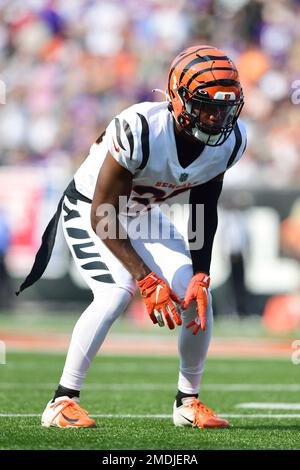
x: 237, y: 387
x: 269, y: 406
x: 161, y: 416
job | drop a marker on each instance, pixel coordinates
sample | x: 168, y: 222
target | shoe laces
x: 77, y: 411
x: 199, y: 410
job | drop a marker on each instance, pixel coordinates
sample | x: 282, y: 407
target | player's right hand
x: 159, y: 300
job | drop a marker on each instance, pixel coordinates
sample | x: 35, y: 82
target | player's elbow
x: 103, y: 221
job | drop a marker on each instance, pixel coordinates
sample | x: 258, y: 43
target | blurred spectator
x: 69, y: 67
x: 5, y: 282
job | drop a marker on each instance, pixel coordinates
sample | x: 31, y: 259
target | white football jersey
x: 141, y: 138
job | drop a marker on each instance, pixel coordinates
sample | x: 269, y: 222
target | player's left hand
x: 198, y: 291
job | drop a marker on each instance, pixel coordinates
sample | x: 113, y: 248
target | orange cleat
x: 194, y: 413
x: 66, y: 413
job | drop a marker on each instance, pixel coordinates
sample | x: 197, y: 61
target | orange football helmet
x: 205, y: 94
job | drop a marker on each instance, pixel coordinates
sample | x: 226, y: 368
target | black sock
x: 65, y: 392
x: 181, y: 395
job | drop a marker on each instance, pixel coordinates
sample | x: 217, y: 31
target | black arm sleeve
x: 208, y: 195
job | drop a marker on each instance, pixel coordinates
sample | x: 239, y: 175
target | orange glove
x: 198, y: 291
x: 158, y: 298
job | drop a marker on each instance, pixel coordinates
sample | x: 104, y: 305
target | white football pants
x: 113, y: 286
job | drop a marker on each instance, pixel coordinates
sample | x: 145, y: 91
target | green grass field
x: 131, y: 399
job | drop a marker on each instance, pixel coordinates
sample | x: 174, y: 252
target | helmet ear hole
x: 170, y: 107
x: 181, y: 93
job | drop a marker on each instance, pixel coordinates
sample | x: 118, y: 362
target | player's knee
x: 112, y: 302
x: 181, y: 280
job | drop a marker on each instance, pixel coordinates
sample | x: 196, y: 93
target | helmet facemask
x: 209, y: 120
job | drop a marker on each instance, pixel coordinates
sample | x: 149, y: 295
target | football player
x: 149, y: 153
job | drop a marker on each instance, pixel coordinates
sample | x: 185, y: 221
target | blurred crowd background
x: 70, y: 66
